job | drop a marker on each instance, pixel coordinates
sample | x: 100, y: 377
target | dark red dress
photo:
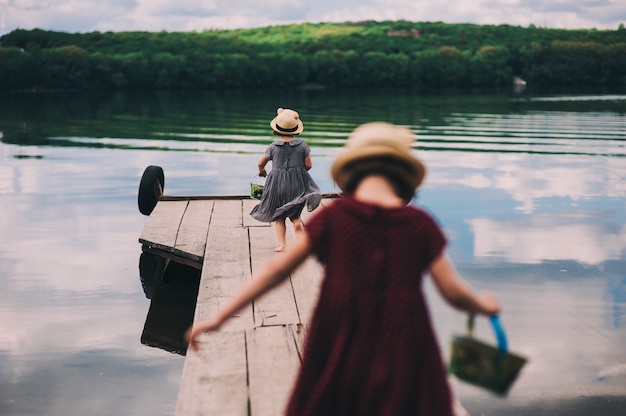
x: 371, y: 348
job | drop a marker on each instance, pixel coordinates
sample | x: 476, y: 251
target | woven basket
x: 483, y: 365
x: 256, y: 187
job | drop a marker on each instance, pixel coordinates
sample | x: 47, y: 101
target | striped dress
x: 288, y: 187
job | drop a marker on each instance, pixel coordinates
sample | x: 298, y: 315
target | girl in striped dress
x: 288, y: 187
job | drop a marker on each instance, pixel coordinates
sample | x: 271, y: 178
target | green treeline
x: 364, y: 54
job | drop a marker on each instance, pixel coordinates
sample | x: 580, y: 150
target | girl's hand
x: 459, y: 294
x: 261, y: 165
x: 489, y: 303
x: 191, y: 335
x: 266, y: 277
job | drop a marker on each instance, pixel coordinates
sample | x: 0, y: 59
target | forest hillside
x: 362, y: 54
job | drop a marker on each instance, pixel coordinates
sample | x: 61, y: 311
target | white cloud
x: 547, y: 237
x: 526, y: 180
x: 67, y: 15
x: 177, y: 8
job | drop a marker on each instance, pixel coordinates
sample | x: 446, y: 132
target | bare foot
x: 279, y: 249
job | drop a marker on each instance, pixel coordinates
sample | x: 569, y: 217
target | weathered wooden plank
x: 248, y: 221
x: 298, y: 332
x: 214, y: 380
x: 307, y: 279
x: 278, y: 306
x: 194, y: 227
x: 204, y: 197
x: 273, y: 364
x: 226, y: 268
x: 306, y: 282
x: 283, y: 305
x: 226, y: 265
x: 227, y: 213
x: 161, y: 228
x: 197, y: 263
x: 242, y: 197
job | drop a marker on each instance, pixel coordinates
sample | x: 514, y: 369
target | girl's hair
x: 396, y: 171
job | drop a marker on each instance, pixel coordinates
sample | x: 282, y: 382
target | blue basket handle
x: 500, y: 335
x: 497, y: 329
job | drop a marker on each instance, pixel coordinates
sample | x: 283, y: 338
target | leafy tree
x: 64, y: 67
x: 101, y: 72
x: 354, y: 54
x: 324, y: 67
x: 453, y: 66
x: 169, y: 70
x: 17, y: 69
x: 231, y: 70
x: 131, y: 70
x: 575, y: 62
x: 398, y: 74
x: 490, y: 66
x: 614, y: 62
x: 290, y: 70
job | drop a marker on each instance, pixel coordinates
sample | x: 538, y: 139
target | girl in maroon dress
x: 371, y: 348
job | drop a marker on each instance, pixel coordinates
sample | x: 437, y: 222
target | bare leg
x: 281, y: 232
x: 297, y: 226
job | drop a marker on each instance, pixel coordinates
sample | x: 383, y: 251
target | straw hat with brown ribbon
x: 287, y: 122
x: 382, y: 147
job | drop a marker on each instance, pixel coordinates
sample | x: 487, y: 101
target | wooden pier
x: 248, y: 367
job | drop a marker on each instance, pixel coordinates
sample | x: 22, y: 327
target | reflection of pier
x: 172, y: 289
x: 249, y: 365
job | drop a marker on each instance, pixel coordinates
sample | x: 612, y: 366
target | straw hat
x: 385, y: 144
x: 287, y: 122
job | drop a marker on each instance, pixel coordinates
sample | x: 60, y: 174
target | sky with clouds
x: 198, y: 15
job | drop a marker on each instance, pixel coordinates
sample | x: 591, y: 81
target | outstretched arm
x: 261, y: 164
x: 270, y: 274
x: 457, y: 293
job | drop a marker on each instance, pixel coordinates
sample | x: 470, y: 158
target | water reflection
x: 71, y: 307
x: 213, y: 121
x: 616, y: 295
x: 533, y: 182
x: 173, y: 290
x: 549, y: 237
x: 531, y: 194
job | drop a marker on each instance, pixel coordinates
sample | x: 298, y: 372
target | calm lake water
x: 529, y: 187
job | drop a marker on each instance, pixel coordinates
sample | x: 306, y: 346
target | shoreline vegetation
x: 324, y: 55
